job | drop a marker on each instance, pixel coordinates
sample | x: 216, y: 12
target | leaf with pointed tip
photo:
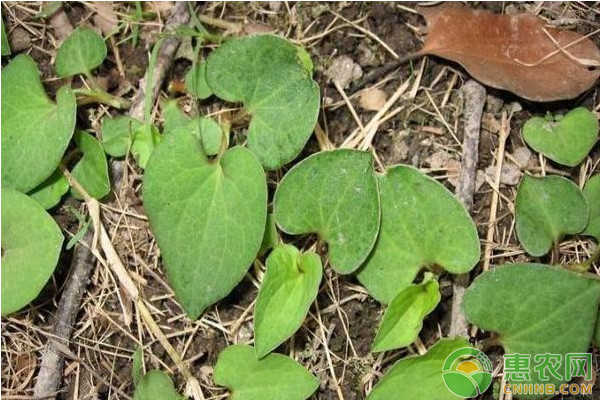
x: 591, y: 192
x: 156, y: 385
x: 536, y: 309
x: 195, y: 81
x: 269, y: 76
x: 51, y: 191
x: 31, y: 245
x: 422, y: 224
x: 419, y: 377
x: 289, y: 287
x: 567, y: 140
x: 80, y: 53
x: 403, y: 319
x: 546, y: 209
x: 334, y: 194
x: 35, y: 131
x: 274, y: 377
x: 208, y: 217
x: 92, y: 170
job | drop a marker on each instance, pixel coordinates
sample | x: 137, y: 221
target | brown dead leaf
x: 513, y: 52
x: 373, y: 99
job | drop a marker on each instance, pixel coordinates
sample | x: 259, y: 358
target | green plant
x: 564, y: 139
x: 546, y: 209
x: 273, y: 377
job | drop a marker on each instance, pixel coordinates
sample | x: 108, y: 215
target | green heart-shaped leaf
x: 35, y: 131
x: 591, y: 192
x: 289, y: 287
x: 117, y: 134
x: 334, y: 194
x: 195, y: 81
x: 536, y: 309
x: 403, y: 319
x: 208, y: 217
x: 49, y: 193
x: 80, y: 53
x: 156, y: 385
x: 422, y: 224
x: 419, y: 377
x: 31, y: 244
x: 546, y: 209
x: 92, y: 170
x: 274, y: 377
x: 566, y: 141
x: 266, y: 73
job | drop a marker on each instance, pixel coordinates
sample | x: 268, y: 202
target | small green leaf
x: 156, y: 385
x: 175, y: 118
x: 566, y: 141
x: 49, y: 8
x: 208, y: 216
x: 31, y: 245
x: 145, y: 138
x: 266, y: 74
x: 35, y: 131
x: 51, y: 191
x: 5, y: 46
x: 80, y: 53
x: 422, y: 225
x: 117, y: 134
x: 137, y: 365
x: 195, y: 81
x: 274, y: 377
x: 591, y: 192
x: 536, y: 309
x: 289, y: 287
x: 546, y: 209
x: 206, y: 129
x: 403, y: 319
x: 419, y: 377
x: 270, y: 238
x: 92, y: 170
x: 334, y: 194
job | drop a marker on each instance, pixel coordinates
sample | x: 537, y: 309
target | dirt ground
x: 423, y: 129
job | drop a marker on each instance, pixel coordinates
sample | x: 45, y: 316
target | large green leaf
x: 403, y: 319
x: 591, y: 192
x: 289, y: 287
x: 275, y: 377
x: 208, y: 216
x: 422, y: 225
x: 156, y: 385
x: 31, y: 244
x: 266, y: 73
x: 334, y: 194
x: 80, y: 53
x: 546, y: 209
x: 536, y: 309
x: 92, y: 170
x: 566, y: 140
x: 35, y: 131
x: 419, y: 377
x: 51, y: 191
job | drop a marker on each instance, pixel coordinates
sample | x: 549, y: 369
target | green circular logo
x: 467, y: 372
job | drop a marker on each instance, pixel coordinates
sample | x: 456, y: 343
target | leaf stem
x: 97, y: 95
